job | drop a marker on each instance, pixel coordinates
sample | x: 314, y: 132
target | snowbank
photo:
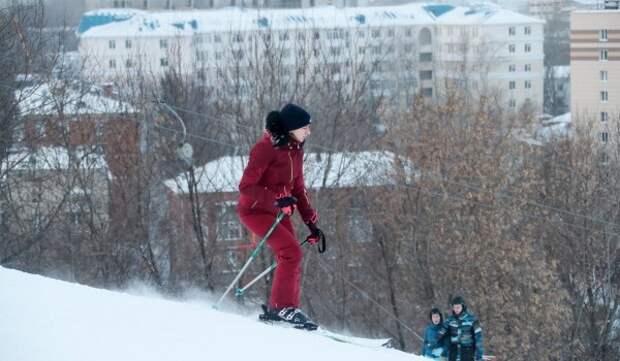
x: 45, y: 320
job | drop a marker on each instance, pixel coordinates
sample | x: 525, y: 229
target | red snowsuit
x: 271, y: 173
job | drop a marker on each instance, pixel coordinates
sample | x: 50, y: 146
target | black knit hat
x: 294, y: 117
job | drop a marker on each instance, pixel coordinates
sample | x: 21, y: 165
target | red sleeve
x: 308, y: 214
x: 261, y: 156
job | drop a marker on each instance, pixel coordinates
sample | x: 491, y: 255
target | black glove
x: 286, y: 204
x: 316, y: 237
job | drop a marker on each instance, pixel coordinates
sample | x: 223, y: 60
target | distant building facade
x: 417, y: 44
x: 595, y: 72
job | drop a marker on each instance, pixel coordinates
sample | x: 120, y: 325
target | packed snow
x: 42, y: 319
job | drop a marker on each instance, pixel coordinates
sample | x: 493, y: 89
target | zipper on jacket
x: 291, y: 160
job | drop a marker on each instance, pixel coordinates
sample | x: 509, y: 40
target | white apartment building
x: 417, y: 44
x: 487, y: 50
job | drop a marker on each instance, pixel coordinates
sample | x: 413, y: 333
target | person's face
x: 457, y: 309
x: 435, y: 318
x: 301, y: 134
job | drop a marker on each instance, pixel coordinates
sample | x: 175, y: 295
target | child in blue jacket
x: 431, y: 348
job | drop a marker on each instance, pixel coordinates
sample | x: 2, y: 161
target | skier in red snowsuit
x: 273, y: 181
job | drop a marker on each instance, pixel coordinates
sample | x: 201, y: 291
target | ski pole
x: 240, y: 291
x: 256, y: 251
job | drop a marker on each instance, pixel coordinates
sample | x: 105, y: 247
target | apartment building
x: 499, y: 53
x: 545, y: 8
x: 595, y: 71
x: 417, y: 44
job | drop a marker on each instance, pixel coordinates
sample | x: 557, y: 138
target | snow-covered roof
x: 52, y: 158
x: 44, y: 99
x: 128, y: 23
x: 557, y: 127
x: 485, y: 14
x: 321, y: 170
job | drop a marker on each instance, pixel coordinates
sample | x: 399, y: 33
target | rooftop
x: 46, y: 99
x: 129, y: 22
x: 321, y: 170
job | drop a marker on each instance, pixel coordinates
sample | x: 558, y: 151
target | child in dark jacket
x: 431, y: 348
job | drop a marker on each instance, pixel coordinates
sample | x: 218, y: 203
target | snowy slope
x: 45, y: 320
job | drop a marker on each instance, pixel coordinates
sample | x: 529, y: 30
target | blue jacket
x: 463, y: 332
x: 431, y: 338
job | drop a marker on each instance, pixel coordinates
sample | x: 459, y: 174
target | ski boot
x: 291, y: 315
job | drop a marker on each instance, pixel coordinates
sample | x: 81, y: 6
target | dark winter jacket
x: 464, y: 335
x: 274, y: 172
x: 431, y: 342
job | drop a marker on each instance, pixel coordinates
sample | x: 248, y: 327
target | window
x: 39, y: 129
x: 512, y: 31
x: 602, y: 35
x: 283, y: 36
x: 604, y: 136
x: 359, y: 227
x: 604, y: 116
x: 112, y: 64
x: 527, y: 30
x: 127, y: 44
x: 301, y: 36
x: 391, y: 33
x: 163, y: 62
x: 3, y: 216
x: 602, y: 54
x: 512, y: 68
x: 361, y: 34
x: 99, y: 130
x: 527, y: 48
x: 528, y: 67
x: 361, y: 50
x: 335, y: 51
x: 163, y: 43
x: 427, y: 92
x: 604, y: 96
x: 238, y: 38
x: 112, y: 44
x: 426, y: 75
x: 511, y: 48
x: 408, y: 48
x: 238, y: 54
x: 604, y: 75
x: 512, y: 85
x: 76, y: 212
x: 408, y: 32
x: 217, y: 38
x: 376, y: 33
x: 228, y: 226
x: 512, y: 103
x: 528, y: 84
x: 18, y: 134
x: 129, y: 63
x: 426, y: 56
